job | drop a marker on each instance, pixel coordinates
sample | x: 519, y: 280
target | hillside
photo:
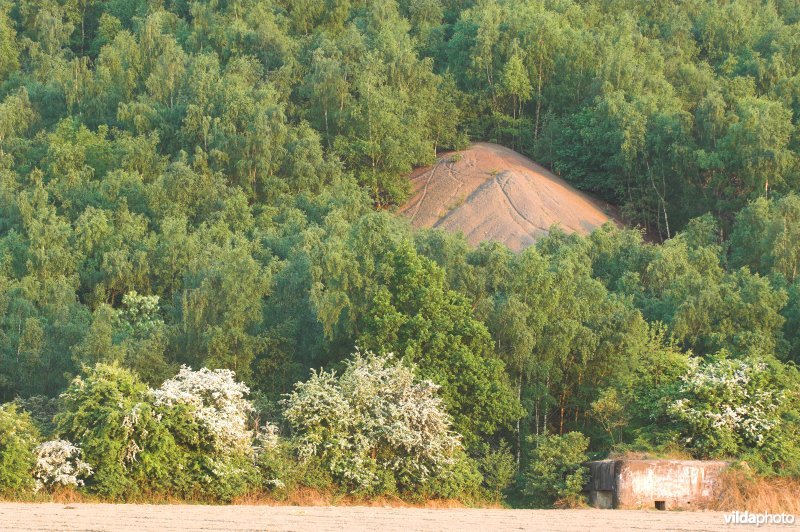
x: 490, y: 192
x: 207, y: 293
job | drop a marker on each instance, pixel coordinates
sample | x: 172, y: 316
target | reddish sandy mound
x: 489, y: 192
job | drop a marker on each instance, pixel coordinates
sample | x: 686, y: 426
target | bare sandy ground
x: 19, y: 516
x: 489, y: 192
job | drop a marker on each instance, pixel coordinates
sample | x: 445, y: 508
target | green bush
x: 277, y: 470
x: 556, y: 473
x: 462, y: 480
x: 108, y: 414
x: 18, y: 439
x: 498, y: 467
x: 207, y: 414
x: 187, y: 438
x: 741, y: 408
x: 41, y: 409
x: 377, y: 427
x: 281, y: 472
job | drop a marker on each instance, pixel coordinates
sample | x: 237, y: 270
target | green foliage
x: 792, y: 325
x: 734, y: 408
x: 385, y: 296
x: 109, y: 416
x: 282, y: 474
x: 18, y: 440
x: 377, y: 427
x: 556, y: 473
x: 196, y: 183
x: 462, y: 480
x: 498, y: 468
x: 41, y: 410
x: 646, y: 395
x: 766, y: 237
x: 188, y: 437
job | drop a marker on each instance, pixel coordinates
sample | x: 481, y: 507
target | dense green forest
x: 211, y: 184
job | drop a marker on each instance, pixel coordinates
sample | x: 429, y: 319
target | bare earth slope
x: 489, y: 192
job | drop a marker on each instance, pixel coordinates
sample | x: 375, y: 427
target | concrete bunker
x: 654, y: 484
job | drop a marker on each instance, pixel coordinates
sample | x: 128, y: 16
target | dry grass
x: 571, y: 503
x: 71, y: 496
x: 668, y: 453
x: 299, y: 497
x: 741, y: 490
x: 68, y: 496
x: 456, y: 203
x: 312, y: 497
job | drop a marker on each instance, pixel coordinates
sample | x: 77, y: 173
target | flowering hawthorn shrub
x: 109, y: 415
x: 374, y: 425
x: 58, y: 463
x: 217, y: 403
x: 18, y: 438
x: 189, y: 436
x: 220, y: 444
x: 727, y: 406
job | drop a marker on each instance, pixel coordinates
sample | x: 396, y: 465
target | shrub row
x: 374, y: 430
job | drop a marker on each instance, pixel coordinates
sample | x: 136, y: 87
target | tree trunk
x: 544, y: 417
x: 519, y: 433
x: 661, y: 199
x: 538, y: 103
x: 327, y: 130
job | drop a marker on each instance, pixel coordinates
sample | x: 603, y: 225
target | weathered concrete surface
x: 663, y: 484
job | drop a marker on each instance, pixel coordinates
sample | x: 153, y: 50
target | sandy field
x: 490, y: 192
x: 19, y: 516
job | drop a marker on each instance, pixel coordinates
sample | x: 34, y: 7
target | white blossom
x: 58, y: 462
x: 722, y: 397
x: 218, y: 403
x: 130, y: 423
x: 375, y: 415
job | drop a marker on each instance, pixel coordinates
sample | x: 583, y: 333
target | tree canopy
x: 211, y: 184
